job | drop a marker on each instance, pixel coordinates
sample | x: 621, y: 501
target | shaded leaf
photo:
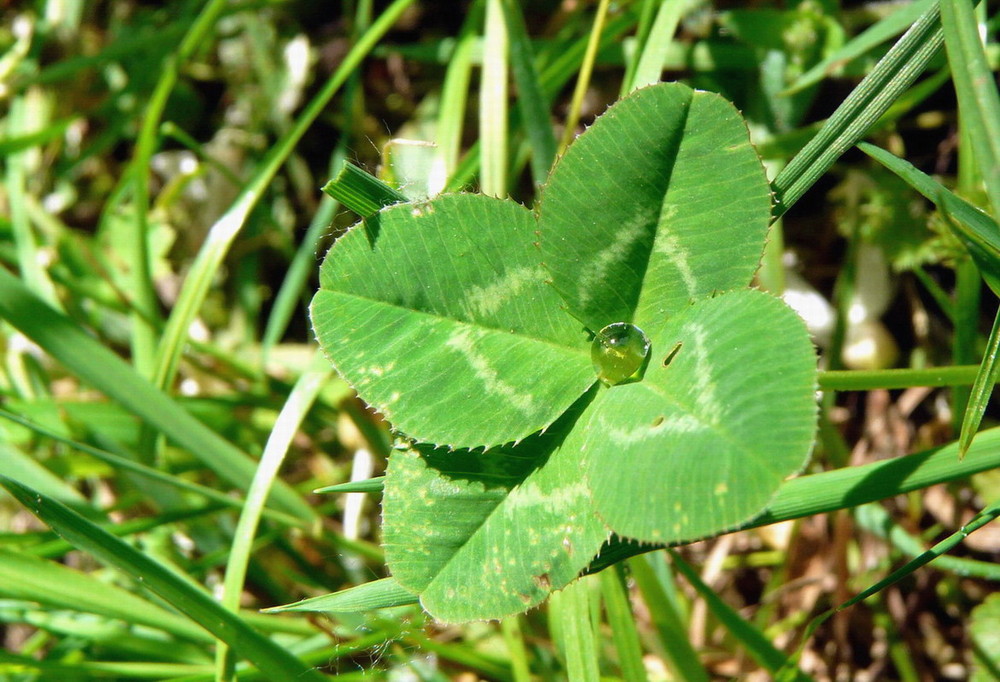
x: 488, y: 535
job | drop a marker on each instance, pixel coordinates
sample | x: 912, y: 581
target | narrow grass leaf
x: 224, y: 231
x: 681, y: 656
x: 370, y: 485
x: 976, y: 89
x: 552, y: 77
x: 493, y: 103
x: 981, y: 235
x: 23, y: 116
x: 94, y: 364
x: 378, y: 594
x: 11, y: 144
x: 622, y: 622
x: 510, y: 627
x: 892, y: 76
x: 853, y: 486
x: 864, y: 42
x: 56, y: 586
x: 300, y: 270
x: 292, y: 413
x: 583, y: 77
x: 867, y: 380
x: 875, y: 519
x: 271, y: 659
x: 29, y: 470
x: 654, y: 51
x: 643, y: 25
x: 754, y: 641
x: 96, y: 670
x: 577, y: 638
x: 530, y: 101
x: 145, y: 315
x: 122, y: 464
x: 454, y: 99
x: 978, y: 231
x: 987, y: 515
x: 360, y: 191
x: 982, y: 389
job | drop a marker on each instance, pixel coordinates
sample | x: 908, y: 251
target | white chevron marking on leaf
x: 485, y: 301
x: 464, y: 343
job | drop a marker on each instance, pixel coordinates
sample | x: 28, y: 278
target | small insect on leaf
x: 618, y: 352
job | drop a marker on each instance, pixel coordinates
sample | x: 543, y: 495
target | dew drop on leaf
x: 618, y: 351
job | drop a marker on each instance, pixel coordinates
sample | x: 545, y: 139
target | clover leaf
x: 468, y: 322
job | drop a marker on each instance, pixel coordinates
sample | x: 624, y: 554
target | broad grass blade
x: 378, y: 594
x: 272, y: 660
x: 85, y: 357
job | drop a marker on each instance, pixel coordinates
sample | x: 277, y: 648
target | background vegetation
x: 161, y: 165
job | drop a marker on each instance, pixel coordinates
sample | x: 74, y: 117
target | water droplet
x: 618, y: 351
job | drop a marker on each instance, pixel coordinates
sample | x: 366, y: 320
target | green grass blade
x: 454, y: 99
x: 552, y: 78
x: 978, y: 231
x: 493, y: 103
x: 681, y: 656
x: 56, y: 586
x: 296, y: 407
x: 22, y: 118
x: 853, y: 486
x: 26, y: 467
x: 271, y: 659
x: 654, y: 51
x: 144, y: 328
x: 622, y: 622
x: 892, y: 76
x: 981, y: 519
x: 13, y: 143
x: 85, y: 357
x: 583, y: 78
x: 978, y: 99
x: 875, y: 519
x: 981, y: 235
x: 982, y: 389
x: 370, y: 485
x: 96, y: 670
x: 871, y: 37
x: 867, y: 380
x: 226, y: 228
x: 125, y: 464
x: 299, y: 270
x: 578, y: 642
x: 756, y: 642
x: 530, y: 101
x: 644, y: 24
x: 514, y: 638
x: 378, y: 594
x: 361, y: 191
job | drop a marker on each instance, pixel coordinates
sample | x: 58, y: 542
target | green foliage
x: 460, y: 339
x: 986, y: 639
x: 177, y: 454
